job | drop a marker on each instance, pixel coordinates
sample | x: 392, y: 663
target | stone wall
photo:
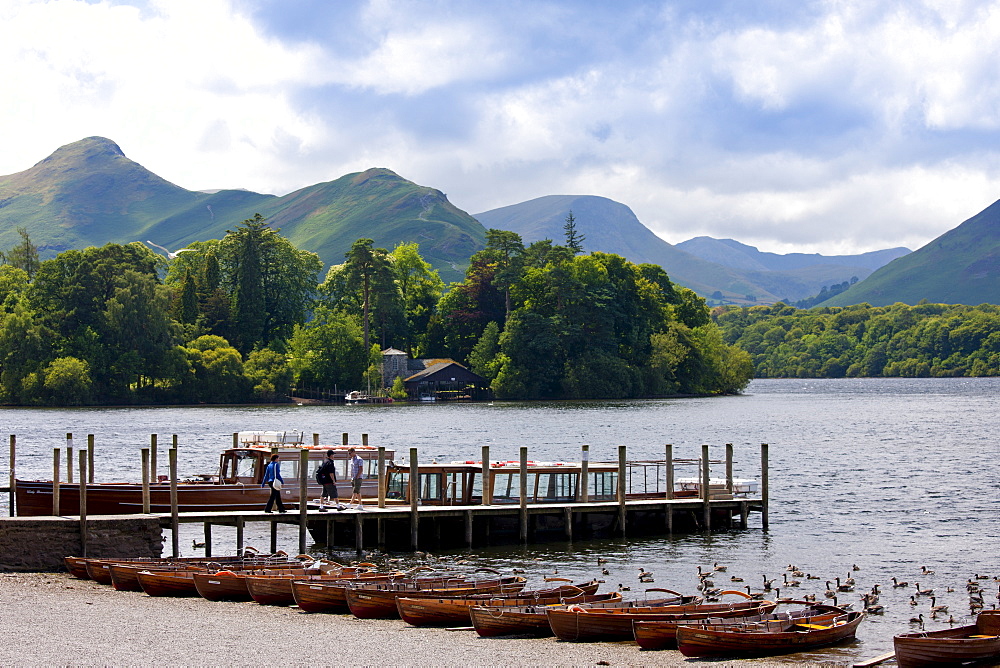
x: 40, y: 543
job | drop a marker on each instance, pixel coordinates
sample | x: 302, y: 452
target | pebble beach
x: 55, y: 619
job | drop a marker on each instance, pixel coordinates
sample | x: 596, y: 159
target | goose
x: 982, y: 577
x: 797, y: 573
x: 790, y: 583
x: 919, y: 619
x: 767, y: 583
x: 622, y: 587
x: 605, y: 571
x: 830, y: 593
x: 736, y: 579
x: 792, y: 567
x: 842, y: 606
x: 196, y: 545
x: 855, y: 567
x: 703, y: 574
x: 975, y: 606
x: 719, y: 567
x: 601, y: 560
x: 872, y: 607
x: 517, y: 571
x: 849, y: 580
x: 844, y: 587
x: 937, y: 608
x: 171, y: 256
x: 809, y: 597
x: 706, y: 583
x: 712, y: 592
x: 810, y: 576
x: 926, y: 571
x: 949, y: 589
x: 913, y: 600
x: 647, y: 577
x: 951, y: 620
x: 755, y: 596
x: 924, y: 592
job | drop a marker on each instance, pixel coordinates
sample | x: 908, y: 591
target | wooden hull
x: 234, y: 585
x: 493, y: 621
x: 125, y: 577
x: 594, y: 624
x: 379, y: 601
x: 313, y: 596
x: 167, y: 583
x: 455, y: 610
x: 951, y: 646
x: 739, y: 640
x: 662, y: 634
x: 277, y: 589
x: 77, y: 567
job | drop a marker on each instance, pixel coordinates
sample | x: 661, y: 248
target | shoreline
x: 56, y: 619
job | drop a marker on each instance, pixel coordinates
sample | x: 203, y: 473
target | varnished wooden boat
x: 230, y: 585
x: 491, y: 621
x: 975, y: 642
x: 124, y: 575
x: 585, y: 624
x: 766, y: 638
x: 662, y: 634
x: 271, y: 589
x: 167, y: 583
x: 378, y: 601
x: 454, y: 610
x: 312, y: 596
x: 77, y: 566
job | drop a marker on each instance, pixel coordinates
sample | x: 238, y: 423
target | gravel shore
x: 55, y: 619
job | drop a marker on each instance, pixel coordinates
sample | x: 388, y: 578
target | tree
x: 269, y: 374
x: 506, y: 250
x: 24, y: 255
x: 574, y: 240
x: 420, y: 287
x: 67, y: 380
x: 367, y: 271
x: 329, y: 350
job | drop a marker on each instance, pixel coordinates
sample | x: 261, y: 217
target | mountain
x: 962, y: 266
x: 90, y: 193
x: 612, y: 227
x: 733, y: 254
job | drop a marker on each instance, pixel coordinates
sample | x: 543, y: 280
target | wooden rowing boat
x: 378, y: 601
x: 974, y: 642
x: 491, y: 621
x: 312, y: 596
x: 581, y: 623
x: 167, y: 583
x: 662, y: 634
x: 454, y: 610
x: 78, y: 566
x: 229, y: 585
x: 276, y: 589
x: 766, y: 638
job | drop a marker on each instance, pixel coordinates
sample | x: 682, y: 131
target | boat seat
x: 813, y: 627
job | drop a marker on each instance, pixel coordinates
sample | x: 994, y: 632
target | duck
x: 645, y: 576
x: 622, y: 587
x: 601, y: 560
x: 982, y: 577
x: 810, y: 576
x: 809, y: 597
x: 855, y: 567
x: 923, y: 592
x: 791, y: 567
x: 937, y: 608
x: 735, y: 579
x: 926, y: 571
x: 605, y: 571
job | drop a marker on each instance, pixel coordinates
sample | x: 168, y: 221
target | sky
x: 832, y: 127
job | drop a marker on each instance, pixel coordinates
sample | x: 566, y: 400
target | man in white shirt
x: 357, y: 474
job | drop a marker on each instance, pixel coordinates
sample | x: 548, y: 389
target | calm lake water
x: 888, y: 474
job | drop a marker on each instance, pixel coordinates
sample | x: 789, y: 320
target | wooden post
x: 364, y: 440
x: 622, y: 466
x: 303, y: 498
x: 208, y: 539
x: 236, y: 439
x: 744, y: 511
x: 414, y: 499
x: 315, y: 440
x: 69, y: 458
x: 152, y: 458
x: 584, y: 484
x: 145, y: 481
x: 90, y: 458
x: 763, y: 484
x: 487, y: 477
x: 13, y: 480
x: 568, y: 519
x: 173, y: 441
x: 706, y: 491
x: 274, y: 536
x: 83, y: 501
x: 668, y: 461
x: 239, y: 534
x: 729, y: 467
x: 343, y: 438
x: 523, y: 492
x: 56, y: 485
x: 381, y: 477
x: 174, y: 523
x: 359, y: 533
x: 468, y: 528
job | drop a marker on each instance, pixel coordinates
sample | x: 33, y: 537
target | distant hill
x: 89, y: 193
x: 612, y: 227
x: 734, y: 254
x: 962, y: 266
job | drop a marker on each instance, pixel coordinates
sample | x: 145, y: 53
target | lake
x: 887, y: 474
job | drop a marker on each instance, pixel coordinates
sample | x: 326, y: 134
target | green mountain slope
x: 89, y: 193
x: 962, y: 266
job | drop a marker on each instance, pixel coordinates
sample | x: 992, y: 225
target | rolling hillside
x: 90, y: 193
x: 962, y: 266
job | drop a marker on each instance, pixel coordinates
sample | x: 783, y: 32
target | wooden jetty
x: 464, y: 503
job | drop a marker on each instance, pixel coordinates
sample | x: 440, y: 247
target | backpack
x: 323, y: 472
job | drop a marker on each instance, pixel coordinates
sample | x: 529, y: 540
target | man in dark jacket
x: 327, y: 476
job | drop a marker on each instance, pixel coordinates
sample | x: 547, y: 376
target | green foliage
x: 269, y: 374
x: 67, y: 381
x: 329, y: 351
x: 218, y: 371
x: 926, y: 340
x: 398, y: 390
x: 24, y: 255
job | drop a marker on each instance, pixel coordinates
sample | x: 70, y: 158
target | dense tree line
x: 244, y: 317
x: 926, y: 340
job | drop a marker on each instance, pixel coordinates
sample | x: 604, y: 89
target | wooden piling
x: 239, y: 534
x: 583, y: 494
x: 56, y: 482
x: 208, y: 539
x: 706, y: 488
x: 414, y: 500
x: 763, y: 484
x: 668, y: 460
x: 487, y: 477
x: 90, y: 458
x: 152, y: 459
x: 83, y: 501
x: 12, y: 488
x: 364, y: 440
x: 359, y: 533
x: 343, y: 438
x: 381, y: 477
x: 145, y: 480
x: 523, y: 494
x: 174, y: 521
x: 622, y: 465
x: 173, y: 441
x: 69, y: 458
x: 303, y: 498
x: 729, y: 467
x: 315, y: 440
x: 274, y: 536
x: 568, y: 521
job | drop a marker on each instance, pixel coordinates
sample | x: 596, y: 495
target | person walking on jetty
x: 327, y: 476
x: 357, y: 474
x: 273, y: 479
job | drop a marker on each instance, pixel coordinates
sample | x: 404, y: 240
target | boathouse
x: 440, y: 378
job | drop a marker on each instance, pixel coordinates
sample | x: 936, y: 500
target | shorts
x: 330, y: 490
x: 356, y: 485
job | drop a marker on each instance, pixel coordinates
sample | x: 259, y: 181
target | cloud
x: 839, y: 125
